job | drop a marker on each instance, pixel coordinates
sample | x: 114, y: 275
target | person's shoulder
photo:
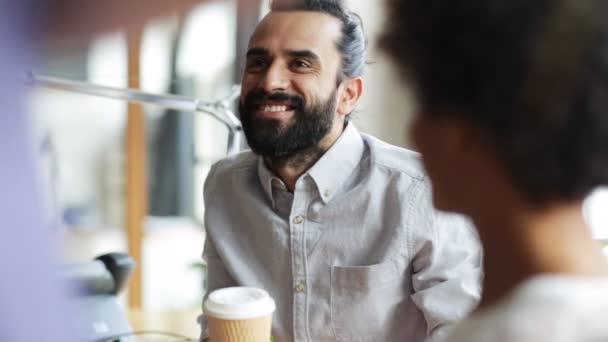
x: 235, y: 163
x: 394, y: 158
x: 491, y: 324
x: 566, y: 309
x: 230, y: 177
x: 223, y: 172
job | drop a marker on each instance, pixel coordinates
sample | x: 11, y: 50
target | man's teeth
x: 275, y: 108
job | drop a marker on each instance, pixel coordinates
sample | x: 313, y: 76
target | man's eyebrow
x: 257, y: 52
x: 303, y: 53
x: 262, y: 52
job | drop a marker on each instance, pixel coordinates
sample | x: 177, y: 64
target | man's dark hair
x: 531, y: 74
x: 352, y: 44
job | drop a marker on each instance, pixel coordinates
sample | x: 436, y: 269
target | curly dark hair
x: 352, y: 45
x: 531, y: 74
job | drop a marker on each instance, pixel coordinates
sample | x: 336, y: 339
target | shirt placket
x: 298, y: 221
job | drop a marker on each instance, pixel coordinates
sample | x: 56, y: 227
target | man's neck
x: 555, y: 240
x: 292, y: 167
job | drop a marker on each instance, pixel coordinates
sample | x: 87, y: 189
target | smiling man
x: 336, y: 225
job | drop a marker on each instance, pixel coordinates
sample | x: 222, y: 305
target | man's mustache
x: 257, y: 97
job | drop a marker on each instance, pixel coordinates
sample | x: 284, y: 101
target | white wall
x: 386, y: 107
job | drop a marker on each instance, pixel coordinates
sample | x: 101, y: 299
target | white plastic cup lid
x: 239, y: 303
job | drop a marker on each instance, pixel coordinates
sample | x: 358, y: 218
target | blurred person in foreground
x: 336, y: 225
x: 32, y: 301
x: 513, y: 131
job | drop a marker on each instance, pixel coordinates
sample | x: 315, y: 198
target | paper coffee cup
x: 239, y: 314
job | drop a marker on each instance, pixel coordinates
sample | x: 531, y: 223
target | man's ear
x: 352, y: 89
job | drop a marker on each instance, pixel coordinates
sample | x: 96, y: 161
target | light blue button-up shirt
x: 355, y: 253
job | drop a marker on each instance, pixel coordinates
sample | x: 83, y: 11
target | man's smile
x: 275, y: 110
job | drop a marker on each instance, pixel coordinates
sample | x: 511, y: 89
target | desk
x: 182, y: 322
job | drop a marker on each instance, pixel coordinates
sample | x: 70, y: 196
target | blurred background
x: 120, y: 177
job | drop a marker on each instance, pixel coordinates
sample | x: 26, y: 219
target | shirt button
x: 327, y: 193
x: 298, y: 219
x: 300, y: 287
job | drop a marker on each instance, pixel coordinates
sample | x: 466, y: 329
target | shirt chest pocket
x: 364, y: 300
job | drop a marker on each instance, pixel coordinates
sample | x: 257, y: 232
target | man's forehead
x: 297, y: 30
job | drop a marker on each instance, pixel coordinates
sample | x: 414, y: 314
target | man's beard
x: 276, y: 139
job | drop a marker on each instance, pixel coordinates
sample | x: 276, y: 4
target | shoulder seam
x: 236, y: 162
x: 418, y: 177
x: 377, y: 145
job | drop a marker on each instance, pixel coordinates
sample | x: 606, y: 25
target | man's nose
x: 275, y: 79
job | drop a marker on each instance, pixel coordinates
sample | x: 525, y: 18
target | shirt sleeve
x: 217, y: 275
x: 446, y: 276
x: 217, y: 278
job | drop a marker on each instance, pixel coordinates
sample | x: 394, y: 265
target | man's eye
x: 256, y: 64
x: 301, y: 64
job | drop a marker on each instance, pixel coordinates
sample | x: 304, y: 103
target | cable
x: 117, y: 338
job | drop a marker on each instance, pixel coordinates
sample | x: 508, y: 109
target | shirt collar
x: 266, y: 179
x: 335, y: 166
x: 330, y: 171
